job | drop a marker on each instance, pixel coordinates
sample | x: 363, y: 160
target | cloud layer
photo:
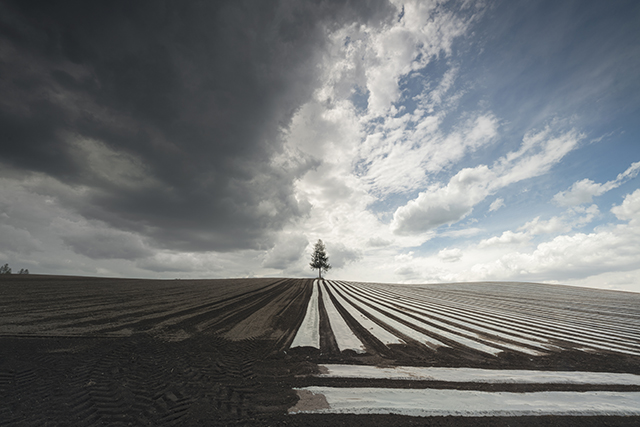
x: 421, y: 140
x: 168, y: 116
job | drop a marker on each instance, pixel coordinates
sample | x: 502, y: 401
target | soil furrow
x: 217, y: 352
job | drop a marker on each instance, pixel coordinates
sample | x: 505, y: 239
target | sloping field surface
x: 535, y: 320
x: 93, y: 351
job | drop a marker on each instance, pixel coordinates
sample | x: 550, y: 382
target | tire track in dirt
x: 143, y: 380
x: 237, y: 311
x: 81, y: 306
x: 183, y: 318
x: 264, y: 322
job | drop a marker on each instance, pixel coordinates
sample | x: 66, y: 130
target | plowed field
x: 93, y: 351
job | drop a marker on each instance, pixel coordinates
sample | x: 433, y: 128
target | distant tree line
x: 5, y: 269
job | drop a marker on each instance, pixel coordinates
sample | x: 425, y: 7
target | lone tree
x: 319, y: 259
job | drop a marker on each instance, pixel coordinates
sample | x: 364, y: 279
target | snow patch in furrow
x: 461, y: 318
x: 613, y: 348
x: 309, y: 333
x: 517, y: 348
x: 469, y: 312
x: 456, y: 337
x: 570, y: 328
x: 402, y: 328
x: 563, y: 332
x: 345, y: 338
x: 465, y: 403
x: 429, y: 316
x: 433, y: 314
x: 572, y: 309
x: 473, y: 375
x: 569, y: 331
x: 374, y: 329
x: 558, y: 305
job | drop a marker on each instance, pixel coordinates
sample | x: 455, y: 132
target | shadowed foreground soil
x: 88, y: 351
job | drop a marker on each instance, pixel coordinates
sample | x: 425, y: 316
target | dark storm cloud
x: 104, y: 244
x: 167, y: 114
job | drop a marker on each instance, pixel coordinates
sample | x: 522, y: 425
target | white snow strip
x: 440, y: 331
x: 533, y: 310
x: 309, y: 333
x: 345, y: 338
x: 584, y: 309
x: 454, y: 315
x: 575, y: 310
x: 376, y: 330
x: 586, y: 337
x: 517, y: 348
x: 465, y: 403
x: 402, y: 328
x: 487, y: 376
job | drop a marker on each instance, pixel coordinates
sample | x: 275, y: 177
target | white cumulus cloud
x: 450, y: 255
x: 440, y: 205
x: 444, y: 204
x: 496, y: 204
x: 584, y: 191
x: 630, y: 208
x: 287, y: 251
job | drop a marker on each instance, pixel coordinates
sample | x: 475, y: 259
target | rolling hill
x: 98, y: 351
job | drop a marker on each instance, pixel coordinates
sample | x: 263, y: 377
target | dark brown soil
x: 88, y: 351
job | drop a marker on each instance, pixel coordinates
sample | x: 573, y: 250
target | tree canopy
x: 5, y: 269
x: 319, y: 259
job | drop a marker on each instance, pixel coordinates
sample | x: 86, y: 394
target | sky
x: 422, y: 141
